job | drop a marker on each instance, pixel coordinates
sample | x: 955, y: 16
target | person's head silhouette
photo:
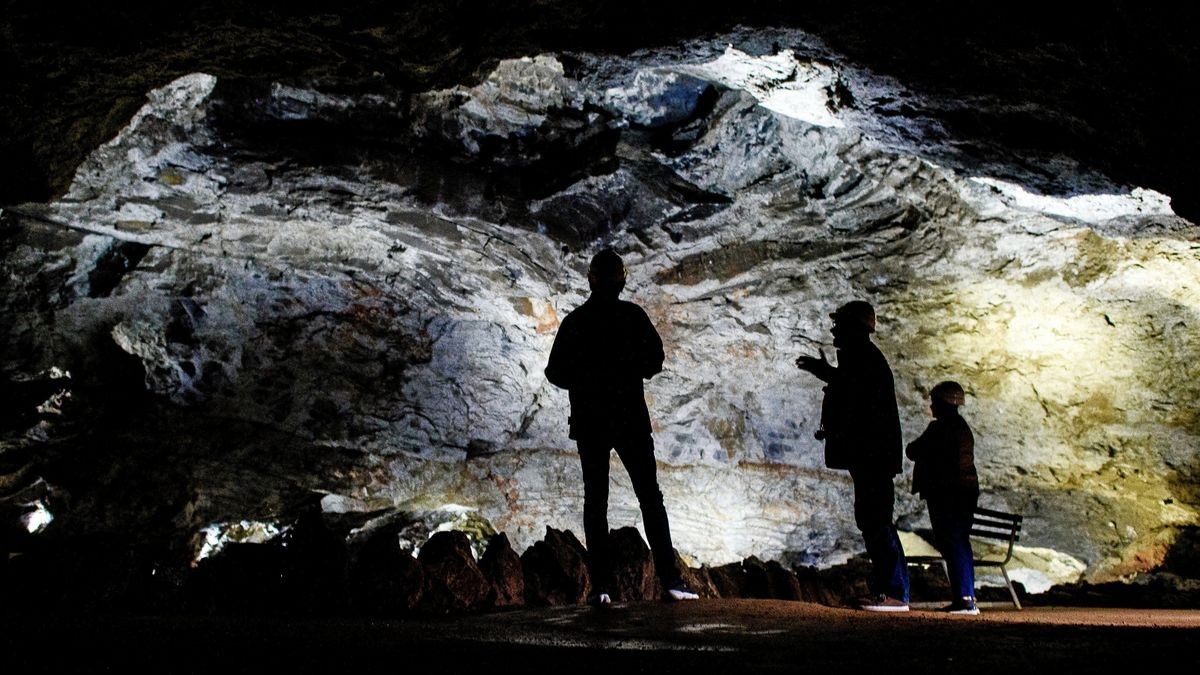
x: 853, y: 322
x: 946, y: 398
x: 606, y: 274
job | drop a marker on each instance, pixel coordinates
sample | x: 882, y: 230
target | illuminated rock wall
x: 373, y: 281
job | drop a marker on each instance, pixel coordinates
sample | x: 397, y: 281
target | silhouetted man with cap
x: 860, y: 424
x: 603, y: 351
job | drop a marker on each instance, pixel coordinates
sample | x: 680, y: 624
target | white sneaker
x: 680, y: 592
x: 882, y: 603
x: 964, y: 606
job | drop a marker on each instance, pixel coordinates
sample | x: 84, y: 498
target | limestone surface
x: 355, y: 294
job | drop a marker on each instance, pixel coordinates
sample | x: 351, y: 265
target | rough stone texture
x: 1088, y: 83
x: 364, y: 312
x: 453, y: 580
x: 501, y: 566
x: 769, y: 580
x: 699, y: 579
x: 1153, y: 590
x: 848, y: 581
x: 633, y: 565
x: 729, y: 580
x: 555, y: 570
x: 421, y: 526
x: 813, y: 586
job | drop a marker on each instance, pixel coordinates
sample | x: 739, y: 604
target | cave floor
x: 704, y: 636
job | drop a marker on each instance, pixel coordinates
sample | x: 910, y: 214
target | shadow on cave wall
x: 1183, y: 558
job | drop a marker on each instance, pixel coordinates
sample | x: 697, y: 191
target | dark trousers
x: 637, y: 454
x: 874, y: 497
x: 951, y: 517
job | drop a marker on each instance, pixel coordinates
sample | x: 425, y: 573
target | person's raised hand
x: 813, y: 364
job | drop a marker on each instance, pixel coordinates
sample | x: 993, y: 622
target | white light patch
x: 36, y: 520
x: 292, y: 103
x: 779, y: 82
x: 1033, y: 581
x: 1090, y: 208
x: 54, y: 404
x: 178, y: 100
x: 707, y: 627
x: 599, y: 642
x: 215, y: 537
x: 458, y: 518
x: 332, y: 503
x: 459, y: 513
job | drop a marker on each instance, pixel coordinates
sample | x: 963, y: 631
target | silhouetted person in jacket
x: 603, y: 351
x: 860, y: 425
x: 944, y: 475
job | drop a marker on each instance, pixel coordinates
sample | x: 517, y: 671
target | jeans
x: 874, y: 497
x: 637, y: 454
x: 950, y: 516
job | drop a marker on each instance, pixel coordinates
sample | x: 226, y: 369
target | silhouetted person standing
x: 603, y: 351
x: 945, y: 477
x: 860, y: 424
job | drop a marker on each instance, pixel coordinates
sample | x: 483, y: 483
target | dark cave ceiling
x: 1109, y: 83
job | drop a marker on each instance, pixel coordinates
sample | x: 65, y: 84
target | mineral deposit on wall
x: 355, y: 294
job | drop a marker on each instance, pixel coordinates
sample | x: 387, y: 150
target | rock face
x: 453, y: 579
x: 502, y: 567
x: 556, y: 570
x: 633, y: 571
x: 261, y: 290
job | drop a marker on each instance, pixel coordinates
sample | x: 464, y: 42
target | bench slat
x: 985, y: 531
x: 1006, y: 527
x: 1000, y: 522
x: 988, y: 534
x: 999, y: 514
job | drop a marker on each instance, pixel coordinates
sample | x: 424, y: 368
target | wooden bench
x: 987, y: 524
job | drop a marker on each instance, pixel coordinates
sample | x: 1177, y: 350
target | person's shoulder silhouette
x: 605, y: 339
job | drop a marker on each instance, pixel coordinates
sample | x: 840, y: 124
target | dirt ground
x: 705, y: 636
